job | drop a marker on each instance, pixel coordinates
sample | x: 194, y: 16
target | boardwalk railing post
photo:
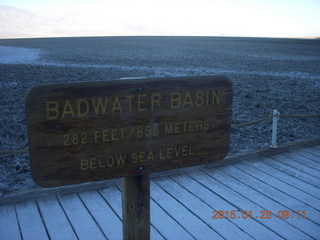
x: 136, y: 207
x: 275, y: 119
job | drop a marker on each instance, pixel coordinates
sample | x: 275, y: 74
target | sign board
x: 80, y: 132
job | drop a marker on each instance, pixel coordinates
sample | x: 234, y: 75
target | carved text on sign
x: 92, y: 131
x: 83, y: 107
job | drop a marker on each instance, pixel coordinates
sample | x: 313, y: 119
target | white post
x: 275, y: 119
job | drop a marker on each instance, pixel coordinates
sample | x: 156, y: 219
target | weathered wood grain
x: 223, y: 227
x: 280, y: 185
x: 112, y: 196
x: 104, y: 216
x: 136, y: 207
x: 57, y: 224
x: 217, y: 203
x: 9, y: 227
x: 83, y: 223
x: 30, y: 221
x: 285, y: 177
x: 101, y: 130
x: 257, y: 202
x: 181, y: 206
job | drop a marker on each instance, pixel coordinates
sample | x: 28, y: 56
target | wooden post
x: 136, y: 207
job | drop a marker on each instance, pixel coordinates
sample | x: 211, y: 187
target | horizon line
x: 153, y: 35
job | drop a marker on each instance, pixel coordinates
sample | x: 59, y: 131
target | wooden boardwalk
x: 182, y: 204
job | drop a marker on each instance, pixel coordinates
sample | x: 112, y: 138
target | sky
x: 254, y: 18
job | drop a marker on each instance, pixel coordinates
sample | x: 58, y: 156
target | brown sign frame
x: 82, y: 132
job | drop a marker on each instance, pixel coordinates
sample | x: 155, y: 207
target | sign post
x: 82, y: 132
x: 136, y: 207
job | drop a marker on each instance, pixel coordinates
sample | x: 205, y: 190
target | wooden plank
x: 297, y: 183
x: 292, y: 171
x: 254, y: 228
x: 195, y: 226
x: 309, y: 154
x: 201, y: 209
x: 80, y: 132
x: 136, y: 207
x: 9, y: 227
x: 35, y: 193
x: 303, y: 160
x: 252, y: 192
x: 104, y: 216
x: 56, y: 222
x: 112, y: 196
x: 166, y: 225
x: 286, y: 202
x: 313, y: 149
x: 316, y: 147
x: 30, y: 221
x: 254, y: 154
x: 242, y: 203
x: 81, y: 220
x: 280, y: 185
x: 301, y: 167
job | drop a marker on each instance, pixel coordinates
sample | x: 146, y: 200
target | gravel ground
x: 267, y: 74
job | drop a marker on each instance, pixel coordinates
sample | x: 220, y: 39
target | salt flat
x: 267, y: 74
x: 18, y: 55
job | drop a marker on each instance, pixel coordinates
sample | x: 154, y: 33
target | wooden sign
x: 101, y: 130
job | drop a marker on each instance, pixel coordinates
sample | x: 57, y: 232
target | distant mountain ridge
x: 19, y: 23
x: 15, y: 22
